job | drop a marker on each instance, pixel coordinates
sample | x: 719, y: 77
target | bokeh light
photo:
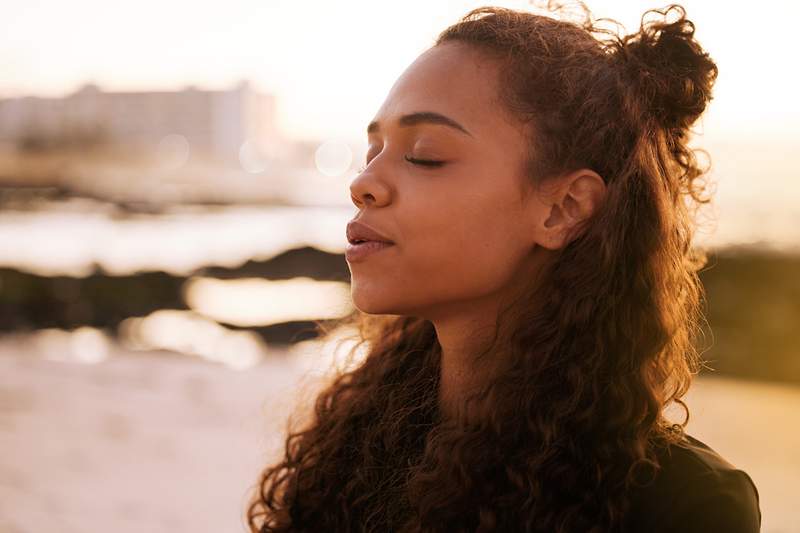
x: 333, y: 158
x: 251, y: 158
x: 172, y: 151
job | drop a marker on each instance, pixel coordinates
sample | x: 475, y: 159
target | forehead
x: 453, y: 79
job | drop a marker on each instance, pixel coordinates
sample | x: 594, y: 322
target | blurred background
x: 173, y: 198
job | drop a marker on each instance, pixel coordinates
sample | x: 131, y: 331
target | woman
x: 530, y: 312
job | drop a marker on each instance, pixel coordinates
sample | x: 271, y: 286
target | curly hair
x: 573, y: 416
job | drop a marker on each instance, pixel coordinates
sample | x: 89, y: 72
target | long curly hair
x: 572, y: 416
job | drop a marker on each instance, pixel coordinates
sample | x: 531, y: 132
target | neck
x: 461, y: 373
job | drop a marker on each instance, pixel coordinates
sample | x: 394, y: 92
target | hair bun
x: 668, y: 68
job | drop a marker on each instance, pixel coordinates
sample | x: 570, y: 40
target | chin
x: 373, y: 301
x: 372, y: 306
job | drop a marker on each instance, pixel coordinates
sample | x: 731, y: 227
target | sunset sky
x: 331, y: 63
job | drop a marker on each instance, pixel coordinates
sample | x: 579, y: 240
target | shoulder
x: 696, y: 489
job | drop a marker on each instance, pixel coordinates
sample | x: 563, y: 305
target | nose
x: 368, y: 189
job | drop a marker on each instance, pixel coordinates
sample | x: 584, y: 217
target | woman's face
x: 460, y: 226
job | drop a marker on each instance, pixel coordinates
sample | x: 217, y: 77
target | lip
x: 361, y: 251
x: 359, y: 231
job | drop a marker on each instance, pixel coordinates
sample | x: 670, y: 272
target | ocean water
x: 69, y: 238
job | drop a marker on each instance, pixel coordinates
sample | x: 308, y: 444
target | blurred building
x: 217, y: 122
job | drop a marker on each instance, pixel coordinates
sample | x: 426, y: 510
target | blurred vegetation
x: 753, y: 310
x: 752, y: 304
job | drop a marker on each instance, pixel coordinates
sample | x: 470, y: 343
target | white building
x: 217, y: 123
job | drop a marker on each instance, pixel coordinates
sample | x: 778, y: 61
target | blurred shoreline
x: 95, y: 265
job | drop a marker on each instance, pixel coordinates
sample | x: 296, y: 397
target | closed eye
x: 424, y: 162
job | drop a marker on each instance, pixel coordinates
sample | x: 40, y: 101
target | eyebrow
x: 420, y: 117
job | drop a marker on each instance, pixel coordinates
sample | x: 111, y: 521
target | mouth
x: 361, y: 241
x: 359, y: 250
x: 358, y: 233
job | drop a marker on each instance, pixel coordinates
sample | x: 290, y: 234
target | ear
x: 565, y: 204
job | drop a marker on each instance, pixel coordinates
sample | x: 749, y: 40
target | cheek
x: 468, y: 252
x: 456, y: 265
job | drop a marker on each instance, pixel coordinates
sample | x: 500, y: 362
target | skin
x: 466, y: 237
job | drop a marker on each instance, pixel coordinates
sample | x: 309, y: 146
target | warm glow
x: 186, y: 332
x: 186, y: 154
x: 258, y: 302
x: 331, y: 63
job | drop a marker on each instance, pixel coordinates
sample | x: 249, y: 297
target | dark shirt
x: 696, y: 490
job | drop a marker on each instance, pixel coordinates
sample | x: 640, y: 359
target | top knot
x: 668, y: 69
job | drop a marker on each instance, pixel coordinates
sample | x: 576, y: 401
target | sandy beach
x: 163, y: 443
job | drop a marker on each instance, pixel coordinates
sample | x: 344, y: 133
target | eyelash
x: 421, y: 162
x: 424, y: 162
